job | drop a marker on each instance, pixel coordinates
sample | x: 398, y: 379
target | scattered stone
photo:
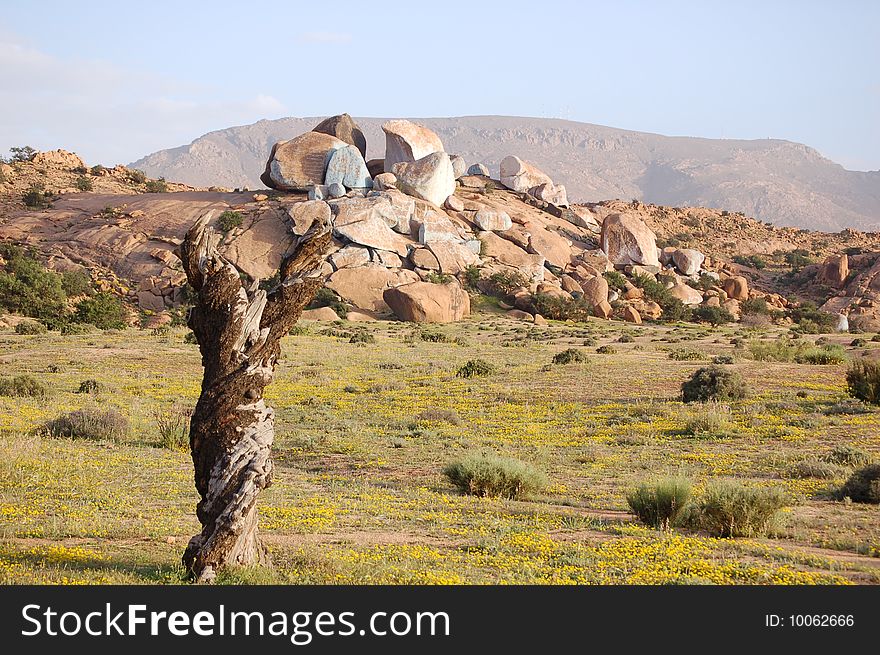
x: 304, y: 215
x: 688, y: 261
x: 520, y: 175
x: 478, y: 169
x: 570, y: 284
x: 627, y: 240
x: 364, y: 286
x: 335, y: 190
x: 630, y: 315
x: 834, y: 271
x: 406, y: 141
x: 345, y: 129
x: 365, y: 221
x: 686, y: 294
x: 424, y: 258
x: 583, y: 217
x: 540, y: 320
x: 434, y: 226
x: 603, y: 310
x: 429, y: 178
x: 491, y: 219
x: 350, y: 256
x: 454, y: 204
x: 348, y: 168
x: 300, y: 163
x: 385, y: 181
x: 319, y: 314
x: 520, y: 315
x: 842, y: 323
x: 736, y: 287
x: 376, y: 167
x: 453, y: 257
x: 424, y: 302
x: 459, y: 167
x: 318, y: 192
x: 552, y: 193
x: 260, y: 197
x: 554, y: 247
x: 595, y: 291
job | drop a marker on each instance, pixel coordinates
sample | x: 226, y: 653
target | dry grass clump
x: 492, y: 475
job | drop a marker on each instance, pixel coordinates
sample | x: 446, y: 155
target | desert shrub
x: 475, y: 368
x: 30, y: 328
x: 863, y: 486
x: 714, y: 421
x: 36, y: 198
x: 659, y: 504
x: 22, y: 153
x: 362, y: 336
x: 89, y: 423
x: 439, y: 416
x: 504, y: 283
x: 827, y: 354
x: 606, y: 350
x: 103, y: 310
x: 90, y: 386
x: 434, y: 337
x: 137, y: 176
x: 754, y: 307
x: 84, y: 183
x: 438, y: 278
x: 76, y: 282
x: 755, y: 261
x: 560, y: 308
x: 814, y: 468
x: 863, y: 380
x: 616, y: 281
x: 811, y: 320
x: 798, y: 258
x: 723, y: 359
x: 97, y: 169
x: 713, y: 383
x: 847, y: 455
x: 731, y: 509
x: 714, y: 315
x: 27, y: 288
x: 327, y: 298
x: 72, y: 327
x: 569, y: 356
x: 491, y: 475
x: 157, y: 186
x: 858, y: 342
x: 23, y: 386
x: 173, y: 426
x: 673, y: 308
x: 229, y: 220
x: 626, y: 338
x: 686, y: 355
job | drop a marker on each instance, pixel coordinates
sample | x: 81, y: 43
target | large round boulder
x: 627, y: 240
x: 519, y: 175
x: 345, y: 129
x: 430, y: 178
x: 425, y: 302
x: 301, y: 162
x: 406, y: 141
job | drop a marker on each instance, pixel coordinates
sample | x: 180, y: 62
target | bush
x: 76, y: 328
x: 22, y: 153
x: 715, y: 421
x: 475, y: 368
x: 863, y: 380
x: 616, y: 281
x: 686, y: 355
x: 36, y: 198
x: 89, y: 423
x: 362, y: 336
x: 491, y: 475
x: 327, y: 298
x: 137, y: 176
x: 23, y: 386
x: 569, y: 356
x: 626, y: 338
x: 673, y: 308
x: 798, y: 258
x: 229, y: 220
x: 76, y: 282
x: 730, y: 509
x: 863, y: 486
x: 847, y: 455
x: 811, y: 320
x: 713, y: 383
x: 97, y: 169
x: 157, y: 186
x: 786, y: 350
x: 504, y: 283
x: 722, y: 359
x: 30, y: 327
x: 814, y: 468
x: 90, y: 386
x: 438, y: 278
x: 439, y: 416
x: 659, y: 504
x: 754, y: 307
x: 27, y: 288
x: 560, y: 308
x: 606, y: 350
x: 84, y: 183
x: 754, y: 261
x: 104, y: 311
x: 824, y: 355
x: 173, y: 426
x: 714, y: 315
x: 434, y: 337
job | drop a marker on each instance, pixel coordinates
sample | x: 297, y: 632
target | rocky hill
x: 778, y: 181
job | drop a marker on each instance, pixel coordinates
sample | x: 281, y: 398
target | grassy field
x: 359, y: 496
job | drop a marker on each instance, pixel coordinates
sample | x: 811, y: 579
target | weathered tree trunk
x: 238, y: 327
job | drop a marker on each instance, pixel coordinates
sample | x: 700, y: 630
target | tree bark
x: 238, y: 327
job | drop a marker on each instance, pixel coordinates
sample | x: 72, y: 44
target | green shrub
x: 713, y: 383
x: 23, y: 386
x: 77, y: 282
x: 824, y: 355
x: 673, y: 308
x: 714, y: 421
x: 802, y: 352
x: 814, y: 468
x: 157, y: 186
x: 327, y: 298
x: 97, y: 169
x: 798, y: 258
x: 68, y: 328
x: 504, y: 283
x: 229, y: 220
x: 847, y: 455
x: 362, y: 336
x: 730, y: 509
x: 438, y: 278
x: 659, y: 504
x: 27, y: 288
x: 22, y: 154
x: 103, y: 310
x: 723, y: 359
x: 616, y: 281
x: 89, y: 423
x: 137, y: 176
x: 755, y: 261
x: 714, y: 315
x: 863, y: 380
x: 606, y: 350
x: 90, y: 386
x: 30, y: 328
x: 434, y: 337
x: 626, y: 338
x: 754, y: 307
x: 858, y: 342
x: 173, y: 426
x: 36, y: 198
x: 84, y: 183
x: 686, y: 355
x: 811, y: 320
x: 475, y: 368
x: 439, y: 416
x: 560, y: 308
x: 863, y: 486
x: 569, y: 356
x: 491, y: 475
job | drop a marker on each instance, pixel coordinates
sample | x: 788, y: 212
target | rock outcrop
x: 430, y: 178
x: 345, y: 129
x: 424, y: 302
x: 406, y: 141
x: 297, y: 164
x: 627, y: 240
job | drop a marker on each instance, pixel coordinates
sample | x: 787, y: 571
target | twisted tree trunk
x: 238, y: 327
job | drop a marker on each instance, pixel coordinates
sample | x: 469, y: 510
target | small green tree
x: 103, y: 310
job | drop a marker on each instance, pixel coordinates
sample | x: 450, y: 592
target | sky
x: 114, y: 81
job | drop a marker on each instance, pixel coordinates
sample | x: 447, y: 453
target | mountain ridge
x: 779, y: 181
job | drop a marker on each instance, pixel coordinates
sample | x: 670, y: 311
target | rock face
x: 736, y: 287
x: 365, y: 221
x: 319, y: 314
x: 459, y: 166
x: 304, y: 214
x: 490, y: 219
x: 385, y: 181
x: 453, y: 257
x: 406, y: 141
x: 595, y: 291
x: 301, y: 162
x: 364, y: 286
x: 552, y: 193
x: 424, y: 302
x: 348, y: 168
x: 430, y: 178
x: 834, y: 271
x: 686, y: 294
x: 345, y: 129
x: 519, y: 175
x: 630, y: 315
x: 688, y: 261
x: 627, y: 240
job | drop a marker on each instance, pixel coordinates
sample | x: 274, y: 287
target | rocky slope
x: 778, y: 181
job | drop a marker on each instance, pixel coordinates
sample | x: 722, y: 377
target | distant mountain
x: 778, y: 181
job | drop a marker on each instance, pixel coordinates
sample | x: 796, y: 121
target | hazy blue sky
x: 117, y: 80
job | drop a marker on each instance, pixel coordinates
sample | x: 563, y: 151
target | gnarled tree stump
x: 238, y: 326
